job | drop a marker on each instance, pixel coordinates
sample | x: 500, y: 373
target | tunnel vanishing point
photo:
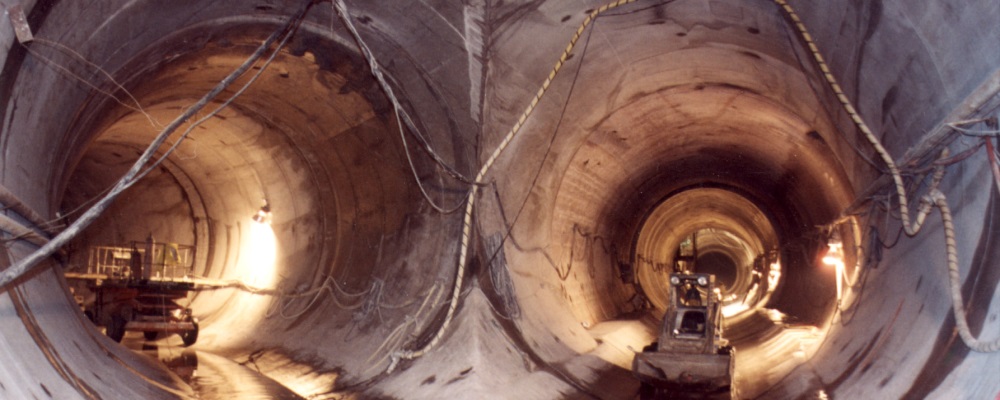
x: 482, y: 199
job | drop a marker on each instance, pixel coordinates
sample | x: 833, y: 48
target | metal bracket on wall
x: 20, y: 23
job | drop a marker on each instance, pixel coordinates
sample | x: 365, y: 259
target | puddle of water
x: 218, y: 378
x: 212, y: 377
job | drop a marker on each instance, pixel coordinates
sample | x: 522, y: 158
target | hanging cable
x: 416, y: 177
x: 994, y: 166
x: 973, y: 132
x: 66, y: 71
x: 288, y: 34
x: 26, y: 264
x: 376, y: 70
x: 479, y: 180
x: 855, y: 117
x: 509, y: 227
x: 934, y: 197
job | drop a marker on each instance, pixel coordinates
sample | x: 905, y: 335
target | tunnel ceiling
x: 664, y: 121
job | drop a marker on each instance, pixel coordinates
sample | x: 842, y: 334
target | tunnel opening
x: 738, y: 156
x: 709, y: 230
x: 269, y: 147
x: 256, y: 151
x: 719, y: 264
x: 715, y: 102
x: 312, y: 141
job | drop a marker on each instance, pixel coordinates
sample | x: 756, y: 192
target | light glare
x: 259, y: 256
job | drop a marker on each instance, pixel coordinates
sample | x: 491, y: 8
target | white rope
x: 376, y: 71
x: 934, y: 198
x: 471, y: 198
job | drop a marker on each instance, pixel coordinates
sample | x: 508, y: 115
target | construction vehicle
x: 690, y: 359
x: 140, y: 287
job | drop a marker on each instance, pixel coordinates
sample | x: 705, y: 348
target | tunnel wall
x: 915, y: 68
x: 42, y: 362
x: 908, y: 72
x: 643, y: 116
x: 378, y: 231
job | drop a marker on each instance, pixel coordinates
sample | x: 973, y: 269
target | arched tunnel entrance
x: 709, y: 230
x: 324, y: 218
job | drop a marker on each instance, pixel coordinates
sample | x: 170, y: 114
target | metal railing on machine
x: 142, y: 260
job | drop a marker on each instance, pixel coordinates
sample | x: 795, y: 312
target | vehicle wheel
x: 191, y: 336
x: 151, y: 335
x: 116, y: 328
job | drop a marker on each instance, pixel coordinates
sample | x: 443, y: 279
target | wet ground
x: 214, y: 377
x: 211, y: 376
x: 762, y: 359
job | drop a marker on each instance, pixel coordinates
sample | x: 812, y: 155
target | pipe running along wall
x: 668, y: 120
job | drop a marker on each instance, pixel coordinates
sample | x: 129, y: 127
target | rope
x: 471, y: 199
x: 26, y: 264
x: 938, y: 199
x: 934, y: 197
x: 855, y: 117
x: 341, y: 9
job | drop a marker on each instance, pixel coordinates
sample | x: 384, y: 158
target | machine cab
x: 692, y: 323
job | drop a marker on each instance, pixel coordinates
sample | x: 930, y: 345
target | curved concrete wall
x: 656, y: 100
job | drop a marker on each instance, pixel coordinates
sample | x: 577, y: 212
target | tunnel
x: 479, y: 199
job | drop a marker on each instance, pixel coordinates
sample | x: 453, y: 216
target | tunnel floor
x: 211, y: 376
x: 763, y: 358
x: 683, y: 122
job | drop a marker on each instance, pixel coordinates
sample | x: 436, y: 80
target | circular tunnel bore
x: 708, y: 230
x: 280, y: 143
x: 670, y: 100
x: 313, y: 141
x: 721, y: 266
x: 711, y: 135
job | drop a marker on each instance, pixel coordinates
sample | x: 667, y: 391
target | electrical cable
x: 534, y: 181
x: 508, y: 226
x: 973, y: 132
x: 961, y: 156
x: 479, y: 180
x: 190, y: 128
x: 911, y: 227
x: 59, y: 67
x: 26, y: 264
x: 816, y: 92
x: 416, y: 177
x: 222, y: 106
x: 937, y: 198
x: 398, y: 112
x: 992, y: 155
x: 934, y: 197
x: 376, y: 70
